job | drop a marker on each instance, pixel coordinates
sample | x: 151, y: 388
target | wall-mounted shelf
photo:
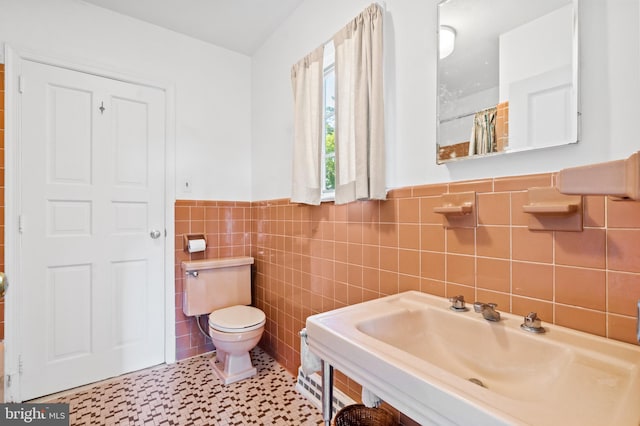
x: 549, y: 210
x: 561, y: 208
x: 463, y: 209
x: 619, y: 178
x: 458, y: 210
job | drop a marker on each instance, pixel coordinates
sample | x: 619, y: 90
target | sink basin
x: 511, y: 365
x: 444, y: 367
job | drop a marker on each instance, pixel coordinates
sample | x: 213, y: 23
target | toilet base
x: 232, y: 368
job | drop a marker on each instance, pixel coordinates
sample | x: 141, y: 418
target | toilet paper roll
x: 196, y: 246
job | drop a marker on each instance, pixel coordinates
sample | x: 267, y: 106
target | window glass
x: 329, y: 146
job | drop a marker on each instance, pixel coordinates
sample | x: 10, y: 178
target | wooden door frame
x: 13, y: 61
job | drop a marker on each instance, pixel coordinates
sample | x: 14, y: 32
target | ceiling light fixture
x: 447, y: 40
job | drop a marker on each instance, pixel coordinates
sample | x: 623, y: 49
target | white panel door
x: 542, y: 110
x: 92, y: 195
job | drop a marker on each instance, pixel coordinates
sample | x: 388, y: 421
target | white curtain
x: 359, y: 130
x: 307, y: 79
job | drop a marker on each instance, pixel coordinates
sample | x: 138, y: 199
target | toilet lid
x: 236, y: 319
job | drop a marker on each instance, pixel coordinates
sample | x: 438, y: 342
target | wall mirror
x: 507, y: 76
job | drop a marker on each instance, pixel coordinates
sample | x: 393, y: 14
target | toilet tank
x: 212, y: 284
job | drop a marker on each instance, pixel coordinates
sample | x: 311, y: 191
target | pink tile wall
x: 226, y: 226
x: 312, y: 259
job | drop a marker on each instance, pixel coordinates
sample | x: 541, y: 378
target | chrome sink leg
x: 327, y: 392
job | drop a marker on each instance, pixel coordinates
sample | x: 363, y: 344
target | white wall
x: 234, y: 113
x: 212, y: 85
x: 610, y: 84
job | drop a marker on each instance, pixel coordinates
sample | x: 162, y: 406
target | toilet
x: 221, y: 288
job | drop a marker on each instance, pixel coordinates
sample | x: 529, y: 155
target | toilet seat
x: 237, y: 319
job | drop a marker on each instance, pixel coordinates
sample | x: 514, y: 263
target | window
x: 338, y: 150
x: 329, y: 119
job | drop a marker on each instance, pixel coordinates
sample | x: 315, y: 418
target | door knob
x: 155, y: 234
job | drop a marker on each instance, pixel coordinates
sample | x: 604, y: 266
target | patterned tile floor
x: 189, y: 393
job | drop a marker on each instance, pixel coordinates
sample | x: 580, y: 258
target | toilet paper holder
x: 188, y: 237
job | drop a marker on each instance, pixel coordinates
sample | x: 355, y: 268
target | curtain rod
x: 381, y: 4
x: 457, y: 117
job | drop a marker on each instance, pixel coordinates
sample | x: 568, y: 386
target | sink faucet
x: 488, y: 310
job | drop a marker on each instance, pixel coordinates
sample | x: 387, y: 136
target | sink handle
x: 532, y: 320
x: 532, y: 323
x: 457, y: 303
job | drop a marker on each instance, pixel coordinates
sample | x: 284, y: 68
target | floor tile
x: 188, y: 393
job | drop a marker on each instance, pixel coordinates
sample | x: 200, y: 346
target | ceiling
x: 238, y: 25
